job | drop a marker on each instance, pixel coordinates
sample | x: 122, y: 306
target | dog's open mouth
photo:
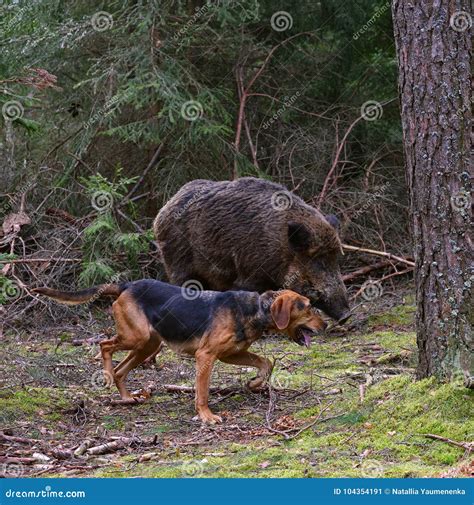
x: 303, y: 336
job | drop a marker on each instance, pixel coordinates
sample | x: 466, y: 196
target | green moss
x: 113, y: 422
x: 383, y: 437
x: 32, y: 402
x: 401, y: 315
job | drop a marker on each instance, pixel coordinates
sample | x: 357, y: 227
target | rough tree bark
x: 434, y: 50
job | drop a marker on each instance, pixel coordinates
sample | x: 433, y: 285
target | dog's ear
x: 281, y: 310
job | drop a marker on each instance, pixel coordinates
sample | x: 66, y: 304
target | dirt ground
x: 346, y: 407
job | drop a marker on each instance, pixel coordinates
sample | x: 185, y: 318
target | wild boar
x: 252, y: 234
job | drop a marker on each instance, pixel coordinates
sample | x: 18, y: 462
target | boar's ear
x: 281, y: 310
x: 333, y: 221
x: 299, y: 236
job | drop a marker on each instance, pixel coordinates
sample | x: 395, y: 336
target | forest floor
x: 346, y: 407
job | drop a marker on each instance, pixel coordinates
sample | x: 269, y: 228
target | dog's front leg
x: 204, y: 364
x: 245, y: 358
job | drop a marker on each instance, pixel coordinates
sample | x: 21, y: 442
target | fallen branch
x: 190, y: 389
x: 395, y: 274
x: 120, y: 443
x: 83, y: 447
x: 7, y: 460
x: 42, y: 260
x: 365, y: 270
x: 19, y: 440
x: 467, y: 446
x: 379, y: 253
x: 88, y: 341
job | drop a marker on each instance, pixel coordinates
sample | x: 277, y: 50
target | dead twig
x: 309, y: 425
x: 190, y: 389
x: 83, y: 448
x: 467, y: 446
x: 330, y: 174
x: 19, y: 440
x: 42, y: 260
x: 365, y: 270
x: 379, y: 253
x: 120, y: 443
x: 7, y: 460
x: 154, y: 160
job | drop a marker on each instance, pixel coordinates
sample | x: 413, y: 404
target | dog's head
x: 292, y: 313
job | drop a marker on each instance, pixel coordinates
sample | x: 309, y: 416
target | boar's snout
x: 336, y: 307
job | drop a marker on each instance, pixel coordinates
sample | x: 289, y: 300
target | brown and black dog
x: 210, y: 325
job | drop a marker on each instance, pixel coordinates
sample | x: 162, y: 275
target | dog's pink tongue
x: 307, y: 338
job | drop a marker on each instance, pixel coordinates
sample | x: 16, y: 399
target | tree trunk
x: 434, y: 48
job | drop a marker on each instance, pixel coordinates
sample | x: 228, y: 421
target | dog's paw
x: 209, y: 418
x: 256, y: 383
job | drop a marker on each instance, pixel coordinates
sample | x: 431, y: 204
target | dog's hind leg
x: 133, y: 334
x: 107, y: 349
x: 127, y: 358
x: 132, y: 361
x: 130, y: 355
x: 152, y: 358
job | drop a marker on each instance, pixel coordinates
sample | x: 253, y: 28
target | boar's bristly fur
x: 251, y: 234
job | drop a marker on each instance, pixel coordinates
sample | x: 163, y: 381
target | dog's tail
x: 83, y: 296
